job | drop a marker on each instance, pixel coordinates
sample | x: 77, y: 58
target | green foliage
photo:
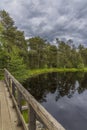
x: 80, y: 66
x: 3, y: 59
x: 51, y: 56
x: 83, y: 53
x: 11, y: 35
x: 37, y: 56
x: 18, y: 54
x: 16, y: 65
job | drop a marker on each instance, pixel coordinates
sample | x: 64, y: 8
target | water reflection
x: 64, y: 83
x: 64, y: 95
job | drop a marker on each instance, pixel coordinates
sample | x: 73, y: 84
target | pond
x: 64, y: 95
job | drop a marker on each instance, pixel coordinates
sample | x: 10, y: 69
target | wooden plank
x: 6, y: 121
x: 46, y: 118
x: 8, y: 116
x: 24, y: 108
x: 0, y: 115
x: 20, y: 117
x: 12, y: 113
x: 19, y: 114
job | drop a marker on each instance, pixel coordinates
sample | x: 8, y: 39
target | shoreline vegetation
x: 35, y: 72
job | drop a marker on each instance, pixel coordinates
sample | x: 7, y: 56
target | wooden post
x: 10, y: 84
x: 32, y: 118
x: 13, y: 89
x: 19, y: 99
x: 13, y: 92
x: 9, y: 81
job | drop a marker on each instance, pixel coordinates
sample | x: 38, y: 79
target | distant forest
x: 18, y: 54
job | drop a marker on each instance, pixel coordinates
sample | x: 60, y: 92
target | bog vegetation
x: 19, y: 55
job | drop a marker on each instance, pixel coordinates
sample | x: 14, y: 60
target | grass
x: 49, y: 70
x: 25, y: 115
x: 35, y: 72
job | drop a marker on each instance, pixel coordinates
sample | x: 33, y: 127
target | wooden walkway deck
x: 8, y: 116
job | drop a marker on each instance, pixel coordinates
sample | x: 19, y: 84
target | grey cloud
x: 50, y: 18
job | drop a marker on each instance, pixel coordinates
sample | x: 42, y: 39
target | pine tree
x: 16, y: 65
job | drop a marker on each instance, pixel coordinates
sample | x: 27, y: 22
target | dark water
x: 64, y: 95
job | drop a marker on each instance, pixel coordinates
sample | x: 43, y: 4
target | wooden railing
x: 35, y: 110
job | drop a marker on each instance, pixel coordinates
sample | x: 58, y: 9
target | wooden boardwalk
x: 8, y: 116
x: 11, y: 116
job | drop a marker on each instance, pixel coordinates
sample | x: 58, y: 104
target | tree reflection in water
x: 64, y: 84
x: 64, y: 95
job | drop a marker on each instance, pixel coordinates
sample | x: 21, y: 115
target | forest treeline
x: 18, y: 54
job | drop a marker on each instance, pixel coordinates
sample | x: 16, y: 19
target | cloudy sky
x: 66, y: 19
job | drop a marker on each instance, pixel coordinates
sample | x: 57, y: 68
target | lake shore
x: 35, y: 72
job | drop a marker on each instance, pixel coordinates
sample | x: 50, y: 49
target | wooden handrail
x: 35, y: 108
